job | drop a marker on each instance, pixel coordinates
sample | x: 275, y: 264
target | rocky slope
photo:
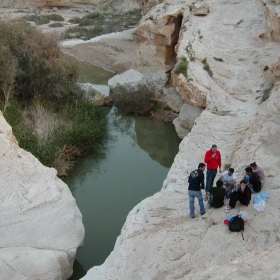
x: 41, y: 225
x: 241, y: 115
x: 94, y: 4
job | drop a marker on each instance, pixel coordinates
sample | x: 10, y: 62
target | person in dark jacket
x: 196, y: 183
x: 218, y: 195
x: 255, y: 183
x: 243, y: 195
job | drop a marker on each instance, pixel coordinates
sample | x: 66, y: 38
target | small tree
x: 133, y: 100
x: 8, y: 65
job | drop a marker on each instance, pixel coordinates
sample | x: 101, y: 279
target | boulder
x: 180, y: 130
x: 203, y: 10
x: 96, y: 94
x: 41, y: 225
x: 188, y: 115
x: 131, y: 78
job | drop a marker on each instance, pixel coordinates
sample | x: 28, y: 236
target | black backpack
x: 236, y: 223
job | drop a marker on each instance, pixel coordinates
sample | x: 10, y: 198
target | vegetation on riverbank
x: 97, y: 23
x: 41, y: 102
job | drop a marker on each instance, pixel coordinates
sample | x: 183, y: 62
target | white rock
x: 131, y: 78
x: 188, y: 115
x: 41, y: 226
x: 158, y: 239
x: 95, y: 94
x: 180, y: 130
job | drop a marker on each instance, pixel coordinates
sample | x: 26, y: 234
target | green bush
x: 38, y: 19
x: 55, y: 17
x: 83, y: 127
x: 182, y: 67
x: 74, y: 20
x: 130, y: 100
x: 103, y: 23
x: 56, y: 24
x: 33, y: 66
x: 206, y: 67
x: 86, y: 22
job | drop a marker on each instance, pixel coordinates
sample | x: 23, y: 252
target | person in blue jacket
x: 196, y: 183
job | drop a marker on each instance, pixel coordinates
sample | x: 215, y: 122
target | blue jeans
x: 198, y: 195
x: 210, y: 176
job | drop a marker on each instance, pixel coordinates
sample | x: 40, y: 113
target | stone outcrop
x: 272, y: 12
x: 184, y: 123
x: 93, y: 4
x: 41, y: 226
x: 157, y: 36
x: 95, y: 95
x: 158, y: 239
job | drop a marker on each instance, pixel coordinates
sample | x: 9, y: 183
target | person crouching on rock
x: 218, y: 195
x: 196, y: 183
x: 243, y: 195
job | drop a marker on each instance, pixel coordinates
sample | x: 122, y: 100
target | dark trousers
x: 210, y: 176
x: 237, y: 196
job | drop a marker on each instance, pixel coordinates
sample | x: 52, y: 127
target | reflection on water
x: 107, y: 188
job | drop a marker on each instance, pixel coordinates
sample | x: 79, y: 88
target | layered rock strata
x: 41, y: 226
x: 241, y: 102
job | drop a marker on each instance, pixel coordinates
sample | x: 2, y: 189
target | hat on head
x: 214, y: 146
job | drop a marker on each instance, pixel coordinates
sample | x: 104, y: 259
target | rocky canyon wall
x: 239, y: 92
x: 41, y: 225
x: 93, y: 4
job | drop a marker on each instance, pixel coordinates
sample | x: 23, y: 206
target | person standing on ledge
x: 213, y: 160
x: 196, y: 183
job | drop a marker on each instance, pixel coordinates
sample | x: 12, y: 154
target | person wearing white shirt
x: 229, y: 179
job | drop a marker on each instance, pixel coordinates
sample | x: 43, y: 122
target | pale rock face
x: 157, y: 36
x: 41, y: 224
x: 188, y: 115
x: 159, y: 240
x: 131, y: 78
x: 180, y: 130
x: 203, y: 10
x: 146, y: 5
x: 272, y: 12
x: 95, y: 95
x: 17, y: 4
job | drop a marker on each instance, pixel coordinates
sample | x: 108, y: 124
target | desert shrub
x: 55, y: 17
x: 206, y: 67
x: 33, y: 66
x: 38, y: 19
x: 56, y: 24
x: 182, y: 67
x: 8, y: 64
x: 81, y: 129
x: 103, y: 23
x: 85, y: 22
x: 131, y: 100
x: 94, y: 15
x: 74, y: 20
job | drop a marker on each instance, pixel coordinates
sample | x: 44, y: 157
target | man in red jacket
x: 213, y: 161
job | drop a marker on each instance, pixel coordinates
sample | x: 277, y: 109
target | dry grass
x: 65, y: 160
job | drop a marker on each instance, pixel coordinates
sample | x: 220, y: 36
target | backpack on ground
x: 236, y: 223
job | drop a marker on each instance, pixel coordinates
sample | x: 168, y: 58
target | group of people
x: 226, y: 185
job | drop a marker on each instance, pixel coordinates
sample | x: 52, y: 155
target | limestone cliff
x: 240, y: 94
x: 41, y: 225
x: 94, y: 4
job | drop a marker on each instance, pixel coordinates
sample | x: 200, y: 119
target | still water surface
x: 107, y: 187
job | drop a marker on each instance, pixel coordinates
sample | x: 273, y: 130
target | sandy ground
x: 114, y: 52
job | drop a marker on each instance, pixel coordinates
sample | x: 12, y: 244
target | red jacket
x: 213, y: 163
